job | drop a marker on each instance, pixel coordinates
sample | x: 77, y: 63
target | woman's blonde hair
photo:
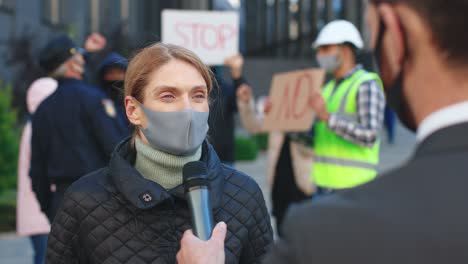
x: 150, y: 59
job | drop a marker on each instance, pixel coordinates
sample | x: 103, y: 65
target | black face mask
x: 394, y: 91
x: 114, y: 89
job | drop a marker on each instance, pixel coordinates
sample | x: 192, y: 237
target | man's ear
x: 349, y: 51
x: 133, y: 111
x: 393, y: 43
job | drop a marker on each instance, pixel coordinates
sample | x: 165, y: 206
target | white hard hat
x: 339, y: 32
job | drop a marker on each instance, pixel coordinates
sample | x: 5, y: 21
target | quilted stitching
x: 97, y: 224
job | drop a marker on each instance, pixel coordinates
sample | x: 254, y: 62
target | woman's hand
x: 195, y: 251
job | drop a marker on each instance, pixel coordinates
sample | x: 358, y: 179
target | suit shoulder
x: 338, y: 212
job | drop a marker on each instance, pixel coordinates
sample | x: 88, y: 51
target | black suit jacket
x: 415, y: 214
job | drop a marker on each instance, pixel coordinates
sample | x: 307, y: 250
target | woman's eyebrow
x: 174, y: 89
x: 199, y: 87
x: 158, y: 88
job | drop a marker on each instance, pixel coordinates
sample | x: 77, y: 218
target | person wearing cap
x: 111, y: 75
x: 349, y: 109
x: 75, y: 129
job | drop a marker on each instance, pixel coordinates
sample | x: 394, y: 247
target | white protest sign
x: 212, y: 35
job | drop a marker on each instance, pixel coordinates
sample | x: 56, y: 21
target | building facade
x: 269, y: 28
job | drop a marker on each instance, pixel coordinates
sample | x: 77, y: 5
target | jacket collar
x: 145, y: 194
x: 445, y: 117
x: 446, y: 139
x: 350, y: 73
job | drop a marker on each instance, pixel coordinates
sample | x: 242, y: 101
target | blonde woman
x: 134, y: 210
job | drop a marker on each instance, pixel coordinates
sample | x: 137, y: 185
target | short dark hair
x: 354, y: 49
x: 447, y: 20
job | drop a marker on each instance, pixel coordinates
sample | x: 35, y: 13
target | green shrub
x: 246, y: 149
x: 9, y: 140
x: 262, y: 141
x: 8, y: 211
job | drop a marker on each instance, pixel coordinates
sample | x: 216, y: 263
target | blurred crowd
x: 100, y: 176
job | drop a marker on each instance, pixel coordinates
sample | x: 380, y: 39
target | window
x: 54, y: 12
x: 124, y: 9
x: 7, y: 5
x: 94, y: 15
x: 106, y: 15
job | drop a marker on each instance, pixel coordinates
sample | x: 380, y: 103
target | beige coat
x: 301, y: 156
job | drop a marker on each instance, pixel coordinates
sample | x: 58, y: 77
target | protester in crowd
x: 30, y: 221
x: 390, y: 124
x: 223, y: 98
x: 418, y: 212
x: 135, y: 210
x: 349, y: 110
x: 290, y: 158
x: 111, y: 75
x: 75, y: 129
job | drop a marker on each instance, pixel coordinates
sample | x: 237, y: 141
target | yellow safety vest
x: 339, y: 163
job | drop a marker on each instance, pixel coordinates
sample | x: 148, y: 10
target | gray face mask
x: 178, y: 133
x: 329, y: 63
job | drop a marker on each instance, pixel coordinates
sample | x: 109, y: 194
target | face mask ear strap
x: 142, y: 109
x: 138, y: 102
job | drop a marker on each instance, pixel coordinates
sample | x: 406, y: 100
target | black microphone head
x: 195, y: 174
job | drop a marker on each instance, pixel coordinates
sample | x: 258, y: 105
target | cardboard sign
x: 212, y: 35
x: 290, y: 94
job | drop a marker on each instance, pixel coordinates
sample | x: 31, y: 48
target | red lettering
x: 285, y: 106
x: 297, y: 93
x: 205, y: 37
x: 289, y: 108
x: 225, y: 32
x: 178, y: 30
x: 195, y: 28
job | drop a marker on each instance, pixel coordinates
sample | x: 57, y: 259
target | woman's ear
x: 134, y: 112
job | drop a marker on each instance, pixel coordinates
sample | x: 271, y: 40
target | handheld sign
x: 290, y: 96
x: 212, y: 35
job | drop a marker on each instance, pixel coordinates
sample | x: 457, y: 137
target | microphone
x: 196, y: 186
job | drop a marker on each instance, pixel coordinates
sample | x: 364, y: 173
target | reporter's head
x: 421, y: 47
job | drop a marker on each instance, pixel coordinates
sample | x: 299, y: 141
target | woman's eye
x: 167, y: 96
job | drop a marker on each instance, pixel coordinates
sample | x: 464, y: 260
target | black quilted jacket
x: 114, y: 215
